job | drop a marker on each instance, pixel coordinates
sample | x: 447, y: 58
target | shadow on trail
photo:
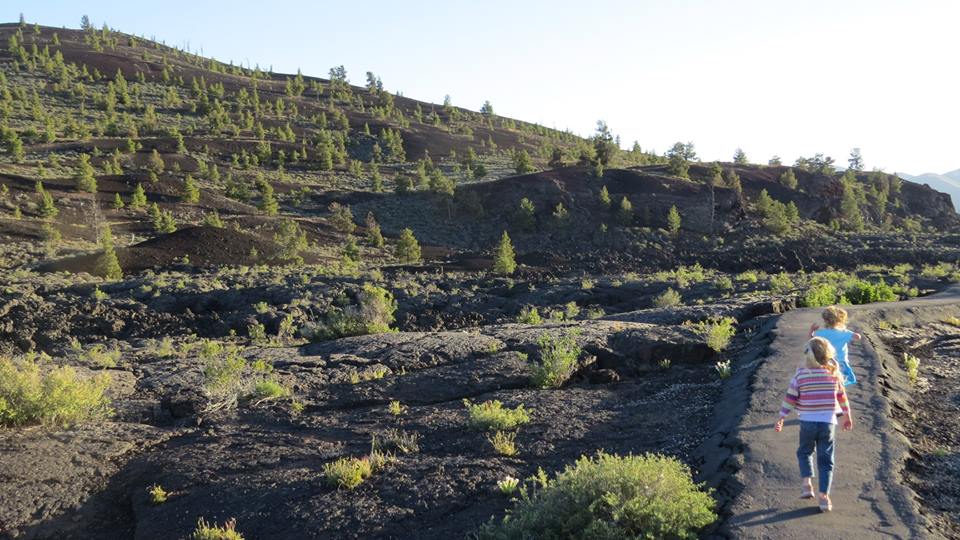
x: 763, y: 517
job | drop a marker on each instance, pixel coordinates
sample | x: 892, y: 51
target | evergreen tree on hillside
x: 139, y: 198
x: 118, y: 202
x: 408, y: 249
x: 789, y: 179
x: 521, y: 162
x: 775, y: 161
x: 679, y: 157
x: 856, y: 160
x: 739, y: 157
x: 268, y: 201
x: 673, y: 222
x: 190, y: 192
x: 604, y: 146
x: 374, y: 236
x: 525, y: 216
x: 83, y: 176
x: 605, y: 197
x: 45, y: 207
x: 108, y: 265
x: 849, y: 205
x: 625, y: 212
x: 504, y: 260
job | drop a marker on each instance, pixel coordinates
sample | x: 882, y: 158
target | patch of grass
x: 667, y: 298
x: 100, y: 356
x: 504, y: 443
x: 59, y: 397
x: 348, y: 472
x: 157, y: 495
x: 723, y: 369
x: 717, y: 332
x: 558, y: 360
x: 396, y: 408
x: 401, y: 441
x: 492, y: 415
x: 211, y: 531
x: 508, y: 485
x: 912, y: 363
x: 664, y: 363
x: 270, y: 389
x: 609, y: 497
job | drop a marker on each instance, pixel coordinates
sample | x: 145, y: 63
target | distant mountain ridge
x: 947, y: 182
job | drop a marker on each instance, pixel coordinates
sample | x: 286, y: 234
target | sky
x: 773, y: 77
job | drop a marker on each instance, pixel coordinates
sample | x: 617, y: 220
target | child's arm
x: 857, y: 336
x: 789, y: 403
x: 813, y: 328
x: 844, y: 406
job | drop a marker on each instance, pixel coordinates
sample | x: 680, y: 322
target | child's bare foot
x: 807, y: 489
x: 825, y: 504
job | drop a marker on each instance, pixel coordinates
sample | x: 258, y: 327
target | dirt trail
x: 870, y: 500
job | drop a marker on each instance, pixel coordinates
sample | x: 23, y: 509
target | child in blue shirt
x: 835, y: 331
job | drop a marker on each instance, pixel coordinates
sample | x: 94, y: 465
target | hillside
x: 948, y: 183
x: 323, y: 310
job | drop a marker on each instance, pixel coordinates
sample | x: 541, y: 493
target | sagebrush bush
x: 59, y: 397
x: 529, y: 315
x: 667, y: 298
x: 717, y: 332
x: 863, y: 292
x: 558, y: 361
x: 822, y: 295
x: 492, y: 415
x: 373, y: 314
x: 211, y: 531
x: 348, y: 472
x: 609, y: 497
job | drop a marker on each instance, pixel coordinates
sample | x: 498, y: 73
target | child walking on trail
x: 817, y: 394
x: 835, y: 331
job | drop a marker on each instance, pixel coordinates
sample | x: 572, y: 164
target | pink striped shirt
x: 816, y: 395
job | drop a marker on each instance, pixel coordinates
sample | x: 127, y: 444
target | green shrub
x: 529, y: 315
x: 609, y: 498
x: 210, y: 531
x: 492, y: 415
x: 717, y: 332
x: 863, y: 292
x: 667, y: 298
x: 781, y: 283
x: 821, y: 295
x: 268, y: 389
x: 558, y: 361
x: 503, y: 443
x: 348, y: 472
x: 158, y: 495
x: 912, y: 363
x: 373, y: 314
x: 59, y: 397
x: 723, y: 283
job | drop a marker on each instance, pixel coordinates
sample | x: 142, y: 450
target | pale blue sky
x: 782, y: 77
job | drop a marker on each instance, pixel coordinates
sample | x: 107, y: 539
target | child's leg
x: 808, y: 440
x: 825, y: 450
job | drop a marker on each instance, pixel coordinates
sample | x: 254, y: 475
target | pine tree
x: 625, y: 212
x: 268, y: 201
x: 190, y: 192
x: 374, y: 236
x: 83, y: 176
x: 46, y: 207
x: 849, y: 207
x: 504, y: 260
x: 108, y: 265
x: 212, y: 219
x: 521, y: 162
x: 739, y: 157
x: 155, y: 162
x: 117, y: 201
x: 139, y: 198
x: 673, y: 222
x: 408, y: 249
x: 526, y: 214
x: 605, y: 197
x: 789, y: 179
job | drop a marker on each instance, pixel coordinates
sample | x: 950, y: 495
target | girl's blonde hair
x: 835, y: 316
x: 819, y: 353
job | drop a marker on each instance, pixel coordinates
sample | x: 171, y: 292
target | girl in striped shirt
x: 816, y: 393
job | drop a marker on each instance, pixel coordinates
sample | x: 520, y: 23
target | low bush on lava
x: 492, y: 415
x: 58, y: 397
x: 373, y: 314
x: 211, y: 531
x: 558, y: 361
x: 608, y: 497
